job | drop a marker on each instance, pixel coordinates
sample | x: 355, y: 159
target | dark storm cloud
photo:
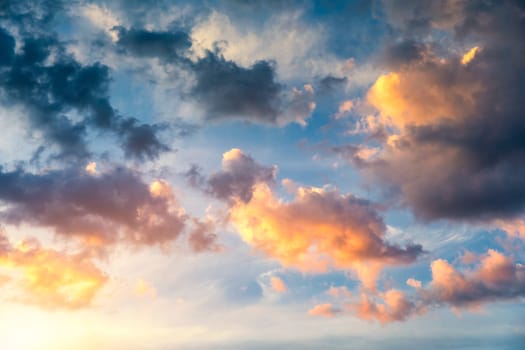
x: 50, y: 84
x: 461, y: 149
x: 166, y: 46
x: 99, y: 209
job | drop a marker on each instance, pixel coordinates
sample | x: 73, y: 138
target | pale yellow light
x: 469, y: 56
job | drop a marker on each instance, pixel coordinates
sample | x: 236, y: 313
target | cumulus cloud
x: 319, y: 229
x: 55, y: 90
x: 98, y: 210
x: 453, y: 147
x: 494, y: 278
x: 393, y: 306
x: 227, y: 90
x: 224, y: 89
x: 49, y: 278
x: 239, y: 174
x: 202, y: 236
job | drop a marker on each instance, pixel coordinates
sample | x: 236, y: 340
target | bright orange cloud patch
x: 49, y: 278
x: 278, y: 285
x: 318, y: 230
x: 469, y: 56
x: 422, y: 95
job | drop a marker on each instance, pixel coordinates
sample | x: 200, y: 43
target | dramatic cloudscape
x: 288, y: 174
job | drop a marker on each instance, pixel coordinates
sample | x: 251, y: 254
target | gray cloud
x: 104, y: 208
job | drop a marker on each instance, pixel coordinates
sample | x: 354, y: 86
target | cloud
x: 239, y: 174
x: 324, y: 310
x: 393, y: 306
x: 495, y: 278
x: 98, y: 210
x: 413, y: 283
x: 222, y: 88
x: 228, y: 91
x: 318, y: 230
x: 63, y: 98
x: 166, y: 46
x: 49, y: 278
x: 202, y: 236
x: 404, y: 52
x: 453, y: 148
x: 278, y: 285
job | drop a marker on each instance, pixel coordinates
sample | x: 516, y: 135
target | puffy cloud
x: 344, y: 107
x: 63, y: 98
x: 278, y: 285
x: 319, y: 229
x: 49, y: 278
x: 240, y: 173
x: 91, y: 168
x: 228, y: 91
x: 202, y: 236
x: 413, y: 283
x: 222, y: 88
x: 404, y: 52
x: 453, y: 147
x: 495, y: 278
x: 324, y: 310
x: 393, y: 306
x: 98, y: 210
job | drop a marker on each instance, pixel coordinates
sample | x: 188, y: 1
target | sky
x: 262, y: 174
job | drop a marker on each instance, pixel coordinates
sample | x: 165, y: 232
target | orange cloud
x: 341, y: 292
x: 496, y: 277
x: 278, y: 284
x: 392, y: 306
x: 469, y: 56
x: 423, y: 94
x: 324, y: 310
x: 413, y: 283
x: 344, y: 107
x: 319, y: 229
x: 49, y: 278
x: 514, y: 228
